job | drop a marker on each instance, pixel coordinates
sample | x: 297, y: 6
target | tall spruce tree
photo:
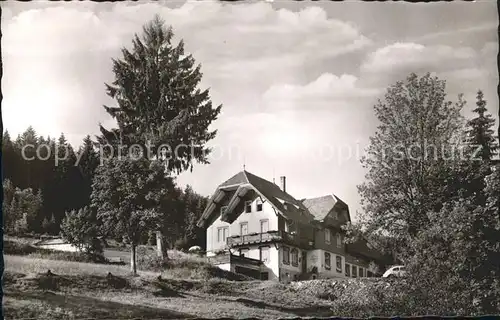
x: 88, y: 161
x: 159, y: 102
x: 26, y: 144
x: 482, y: 147
x: 11, y: 161
x: 156, y: 89
x: 481, y: 133
x: 66, y: 180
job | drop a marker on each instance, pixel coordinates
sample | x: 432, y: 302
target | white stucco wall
x: 252, y: 218
x: 225, y: 266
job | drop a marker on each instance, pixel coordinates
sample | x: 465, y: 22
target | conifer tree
x: 158, y: 103
x: 158, y: 98
x: 482, y: 147
x: 480, y: 132
x: 88, y: 162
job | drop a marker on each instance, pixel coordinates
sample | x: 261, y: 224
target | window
x: 327, y: 235
x: 369, y: 274
x: 328, y: 262
x: 222, y: 234
x: 339, y: 240
x: 354, y: 271
x: 219, y: 234
x: 286, y: 255
x: 361, y: 272
x: 248, y: 206
x: 290, y: 227
x: 244, y: 252
x: 243, y: 228
x: 259, y: 204
x: 264, y: 254
x: 264, y: 226
x: 339, y: 264
x: 347, y: 270
x: 264, y: 276
x: 295, y: 257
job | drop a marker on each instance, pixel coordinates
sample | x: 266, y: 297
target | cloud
x: 414, y: 56
x: 461, y: 32
x: 291, y: 80
x: 326, y: 92
x: 243, y: 48
x: 490, y: 49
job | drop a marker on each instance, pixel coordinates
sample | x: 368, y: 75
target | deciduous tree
x: 81, y: 228
x: 126, y: 195
x: 409, y: 157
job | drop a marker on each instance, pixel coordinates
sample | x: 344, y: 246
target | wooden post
x: 133, y: 259
x: 159, y: 244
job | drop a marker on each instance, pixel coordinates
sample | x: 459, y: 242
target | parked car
x: 395, y: 271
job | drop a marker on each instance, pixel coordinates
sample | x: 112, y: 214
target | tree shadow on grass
x: 54, y: 282
x: 312, y: 311
x: 87, y: 307
x: 165, y: 289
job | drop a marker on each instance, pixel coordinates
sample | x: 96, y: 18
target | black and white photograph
x: 265, y: 159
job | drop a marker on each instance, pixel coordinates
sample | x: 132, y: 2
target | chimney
x: 283, y: 183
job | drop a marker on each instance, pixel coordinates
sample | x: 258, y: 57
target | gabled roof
x: 239, y: 178
x: 321, y: 207
x: 286, y: 205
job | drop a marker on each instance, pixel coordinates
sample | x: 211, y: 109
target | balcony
x: 271, y: 236
x: 253, y: 238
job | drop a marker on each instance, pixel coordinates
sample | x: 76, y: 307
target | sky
x: 297, y: 80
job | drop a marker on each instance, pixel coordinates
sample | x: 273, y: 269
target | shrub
x: 81, y: 229
x: 68, y: 256
x: 181, y: 244
x: 359, y: 297
x: 150, y: 262
x: 18, y: 248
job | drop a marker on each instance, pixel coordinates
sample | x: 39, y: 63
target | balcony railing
x: 254, y: 238
x: 271, y: 236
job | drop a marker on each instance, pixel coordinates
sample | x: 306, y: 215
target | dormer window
x: 223, y: 210
x: 248, y: 206
x: 259, y: 204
